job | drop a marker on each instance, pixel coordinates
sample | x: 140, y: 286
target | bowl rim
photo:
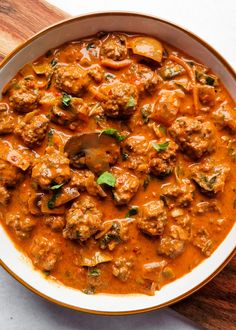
x: 225, y: 64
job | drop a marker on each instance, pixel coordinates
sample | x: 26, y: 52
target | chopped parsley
x: 131, y: 102
x: 52, y: 200
x: 90, y: 46
x: 159, y: 147
x: 94, y: 272
x: 113, y: 132
x: 132, y: 211
x: 53, y: 62
x: 57, y: 186
x: 107, y: 178
x: 65, y: 100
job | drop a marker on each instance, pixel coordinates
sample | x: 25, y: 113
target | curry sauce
x: 117, y: 163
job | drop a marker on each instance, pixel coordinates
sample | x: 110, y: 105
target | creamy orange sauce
x: 140, y: 248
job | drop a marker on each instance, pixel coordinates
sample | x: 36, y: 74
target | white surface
x: 22, y: 310
x: 215, y: 22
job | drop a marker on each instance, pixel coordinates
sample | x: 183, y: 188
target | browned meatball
x: 163, y: 162
x: 210, y: 177
x: 32, y: 129
x: 121, y: 268
x: 71, y: 79
x: 207, y: 95
x: 114, y: 48
x: 84, y: 180
x: 53, y: 167
x: 45, y: 252
x: 83, y: 219
x: 225, y: 117
x: 21, y: 224
x: 135, y: 151
x: 144, y: 78
x: 25, y: 96
x: 120, y: 99
x: 201, y: 239
x: 152, y: 218
x: 178, y: 195
x: 97, y: 73
x: 55, y: 222
x: 195, y: 136
x: 126, y: 186
x: 6, y: 120
x: 4, y: 196
x: 72, y: 115
x: 9, y: 174
x: 171, y: 247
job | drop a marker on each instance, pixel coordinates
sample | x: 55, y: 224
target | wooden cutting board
x: 213, y: 306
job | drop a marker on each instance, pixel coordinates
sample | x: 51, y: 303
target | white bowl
x: 16, y: 263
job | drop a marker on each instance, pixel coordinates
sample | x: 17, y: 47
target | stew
x: 117, y: 163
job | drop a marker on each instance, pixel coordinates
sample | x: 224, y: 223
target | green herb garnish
x: 89, y: 290
x: 210, y: 81
x: 131, y: 102
x: 90, y: 46
x: 57, y: 186
x: 65, y: 100
x: 94, y: 272
x: 107, y: 178
x: 113, y: 132
x: 159, y: 147
x: 53, y: 62
x: 132, y: 211
x: 109, y: 76
x: 52, y: 200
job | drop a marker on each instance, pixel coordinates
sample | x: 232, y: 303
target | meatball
x: 32, y: 129
x: 97, y: 73
x: 135, y: 150
x: 144, y: 78
x: 70, y: 116
x: 21, y: 224
x: 83, y: 219
x: 55, y: 222
x: 121, y: 268
x: 45, y: 252
x: 118, y: 233
x: 6, y: 120
x: 126, y: 186
x: 114, y: 48
x: 120, y: 99
x: 52, y: 168
x: 167, y: 106
x: 9, y: 174
x: 171, y: 247
x: 152, y: 218
x: 71, y: 79
x: 4, y: 196
x: 210, y: 177
x: 195, y: 136
x: 207, y: 95
x: 202, y: 241
x: 84, y: 180
x: 25, y: 96
x: 163, y: 162
x: 225, y: 117
x: 178, y: 195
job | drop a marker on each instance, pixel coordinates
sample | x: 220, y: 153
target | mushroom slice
x: 147, y: 47
x: 95, y: 151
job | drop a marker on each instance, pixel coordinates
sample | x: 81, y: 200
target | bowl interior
x: 78, y: 28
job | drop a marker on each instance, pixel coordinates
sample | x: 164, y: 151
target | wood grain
x: 213, y: 306
x: 20, y: 19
